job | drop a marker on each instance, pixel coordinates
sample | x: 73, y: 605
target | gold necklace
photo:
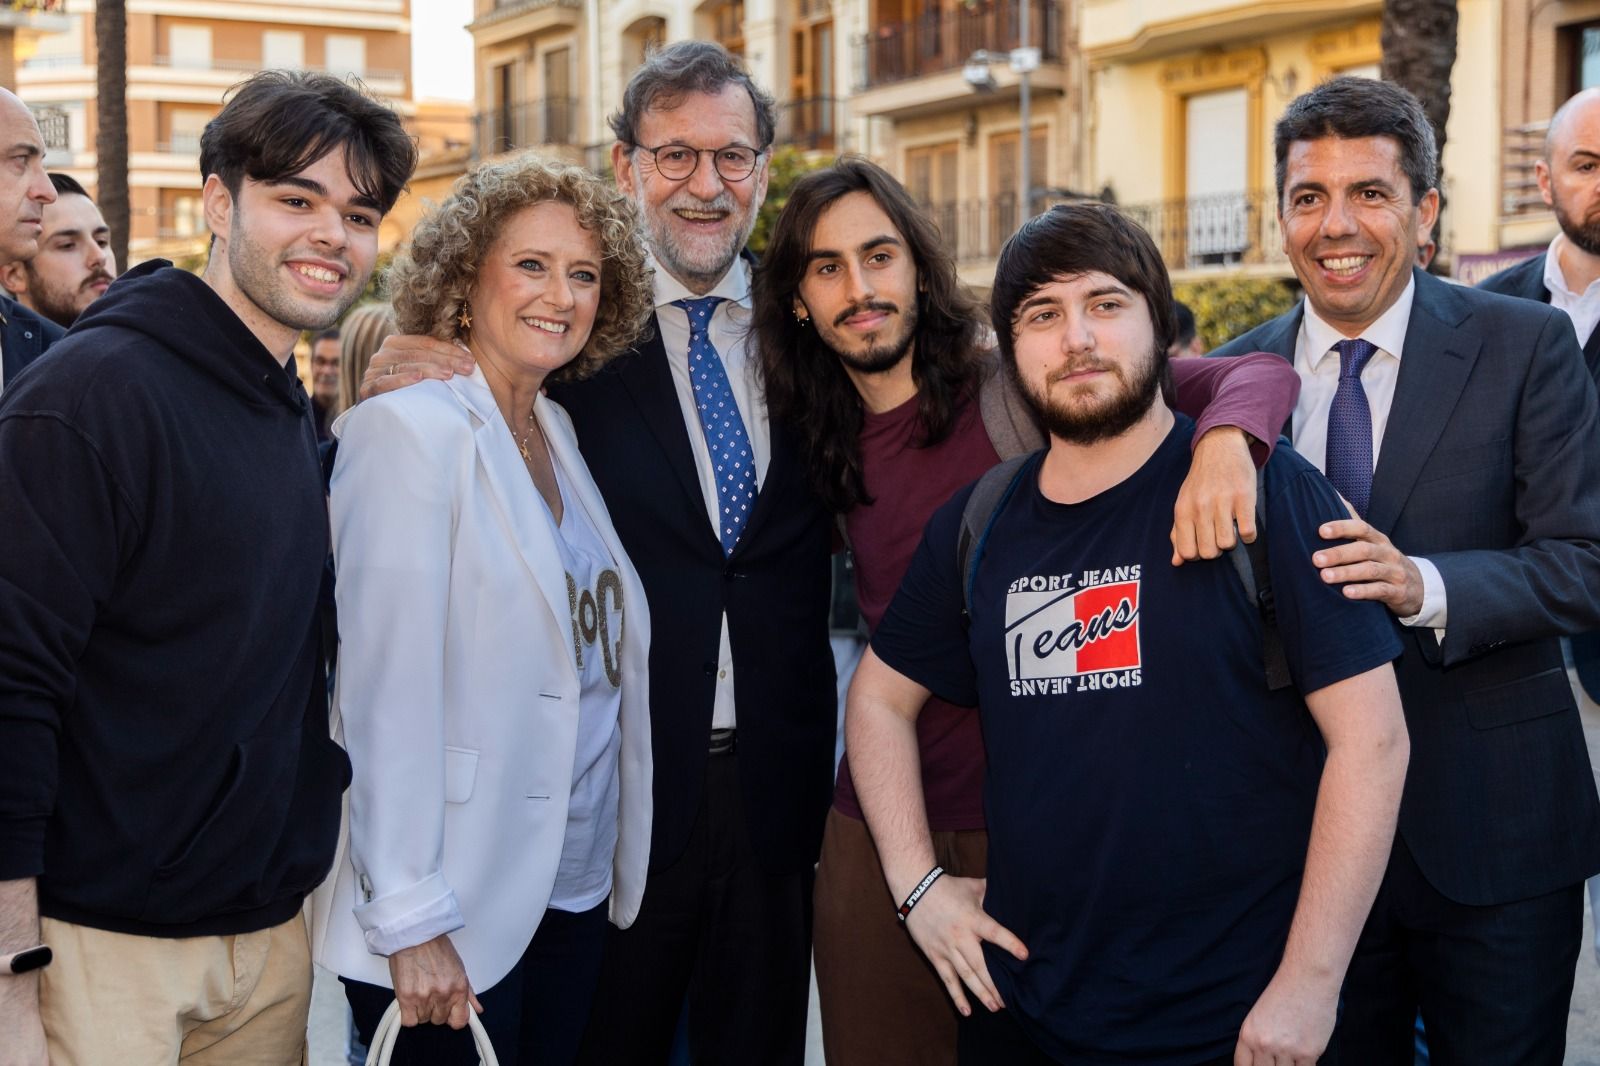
x: 522, y: 443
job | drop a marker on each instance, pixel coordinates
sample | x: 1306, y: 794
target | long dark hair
x: 808, y: 391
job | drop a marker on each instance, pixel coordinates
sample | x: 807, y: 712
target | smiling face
x: 536, y: 294
x: 293, y: 254
x: 860, y: 285
x: 1086, y: 357
x: 696, y: 226
x: 74, y: 266
x: 1351, y: 228
x: 24, y: 187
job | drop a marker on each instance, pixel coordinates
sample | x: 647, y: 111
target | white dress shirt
x: 1582, y: 307
x: 730, y: 325
x: 1318, y: 366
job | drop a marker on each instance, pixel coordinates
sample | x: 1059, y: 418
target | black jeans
x: 534, y: 1015
x: 986, y: 1039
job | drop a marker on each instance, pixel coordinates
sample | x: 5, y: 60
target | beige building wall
x: 172, y: 90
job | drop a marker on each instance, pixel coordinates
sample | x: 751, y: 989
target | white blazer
x: 457, y: 693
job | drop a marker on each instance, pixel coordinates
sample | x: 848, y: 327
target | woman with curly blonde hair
x: 492, y: 682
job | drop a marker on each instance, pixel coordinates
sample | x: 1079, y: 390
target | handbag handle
x: 388, y: 1032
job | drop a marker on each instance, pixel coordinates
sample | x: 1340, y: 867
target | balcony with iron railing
x: 249, y: 66
x: 1236, y: 231
x: 551, y: 121
x: 942, y: 38
x: 812, y: 123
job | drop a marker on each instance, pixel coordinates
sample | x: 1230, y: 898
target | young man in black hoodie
x: 168, y: 790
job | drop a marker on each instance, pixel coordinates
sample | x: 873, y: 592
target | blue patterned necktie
x: 1348, y: 463
x: 726, y: 438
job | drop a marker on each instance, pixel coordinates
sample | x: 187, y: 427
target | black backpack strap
x: 1250, y: 561
x: 988, y: 498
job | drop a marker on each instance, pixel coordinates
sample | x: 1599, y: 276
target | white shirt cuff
x: 418, y: 927
x: 1434, y: 609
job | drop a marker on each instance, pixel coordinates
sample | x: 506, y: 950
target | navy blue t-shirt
x: 1149, y: 801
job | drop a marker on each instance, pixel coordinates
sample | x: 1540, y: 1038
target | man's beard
x: 1081, y: 424
x: 706, y: 265
x: 59, y: 307
x: 880, y: 358
x: 1586, y: 235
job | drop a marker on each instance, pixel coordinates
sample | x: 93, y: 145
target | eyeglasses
x: 676, y: 162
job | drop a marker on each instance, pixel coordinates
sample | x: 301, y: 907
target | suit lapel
x: 526, y: 521
x: 16, y: 350
x: 1438, y: 360
x: 1280, y: 337
x: 648, y: 379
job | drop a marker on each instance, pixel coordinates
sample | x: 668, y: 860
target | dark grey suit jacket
x: 1526, y: 280
x: 1490, y: 468
x: 24, y: 336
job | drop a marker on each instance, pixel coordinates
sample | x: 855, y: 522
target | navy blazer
x: 1526, y: 280
x: 1490, y: 468
x: 774, y: 588
x: 24, y: 336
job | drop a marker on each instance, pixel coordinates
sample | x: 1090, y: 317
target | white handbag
x: 389, y: 1031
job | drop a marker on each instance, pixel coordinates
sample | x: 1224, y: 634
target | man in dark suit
x: 714, y: 509
x: 1565, y: 275
x: 24, y: 191
x: 1462, y: 428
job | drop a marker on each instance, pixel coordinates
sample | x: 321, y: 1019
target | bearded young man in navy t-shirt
x: 1180, y: 859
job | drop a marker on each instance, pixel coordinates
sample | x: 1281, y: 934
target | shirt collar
x: 1554, y: 280
x: 1388, y: 333
x: 734, y: 286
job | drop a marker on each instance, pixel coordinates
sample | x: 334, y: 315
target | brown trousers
x: 204, y: 1001
x: 882, y: 1003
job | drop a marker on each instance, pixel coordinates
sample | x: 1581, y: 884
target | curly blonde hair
x: 431, y: 279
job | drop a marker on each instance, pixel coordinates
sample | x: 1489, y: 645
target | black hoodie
x: 165, y: 765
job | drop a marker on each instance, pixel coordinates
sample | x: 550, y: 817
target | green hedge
x: 1227, y: 306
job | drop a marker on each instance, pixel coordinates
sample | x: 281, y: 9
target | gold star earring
x: 464, y: 317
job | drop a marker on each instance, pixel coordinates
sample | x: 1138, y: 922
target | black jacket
x: 1526, y: 279
x: 774, y: 588
x: 165, y: 765
x: 24, y: 336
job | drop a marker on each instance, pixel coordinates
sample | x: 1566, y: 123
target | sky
x: 441, y: 49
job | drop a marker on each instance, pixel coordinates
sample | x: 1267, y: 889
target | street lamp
x: 1023, y: 61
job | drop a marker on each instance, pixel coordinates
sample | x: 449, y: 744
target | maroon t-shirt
x: 907, y: 484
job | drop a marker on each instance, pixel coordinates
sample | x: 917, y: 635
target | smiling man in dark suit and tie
x: 1462, y: 428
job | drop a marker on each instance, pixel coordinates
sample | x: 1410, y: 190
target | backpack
x: 995, y: 489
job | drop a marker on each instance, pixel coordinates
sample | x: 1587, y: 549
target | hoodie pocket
x: 221, y: 865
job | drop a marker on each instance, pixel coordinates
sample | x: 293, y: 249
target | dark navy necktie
x: 1348, y: 462
x: 726, y: 438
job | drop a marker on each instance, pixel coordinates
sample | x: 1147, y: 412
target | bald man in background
x: 74, y: 265
x: 1567, y: 275
x: 25, y: 190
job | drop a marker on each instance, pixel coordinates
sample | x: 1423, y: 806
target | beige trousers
x: 206, y: 1000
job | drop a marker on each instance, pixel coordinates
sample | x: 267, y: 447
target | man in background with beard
x: 74, y: 265
x: 1567, y: 275
x: 1176, y: 874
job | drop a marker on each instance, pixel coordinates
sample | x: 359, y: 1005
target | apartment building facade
x: 183, y: 56
x: 1184, y: 95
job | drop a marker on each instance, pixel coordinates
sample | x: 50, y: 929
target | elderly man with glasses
x: 713, y: 507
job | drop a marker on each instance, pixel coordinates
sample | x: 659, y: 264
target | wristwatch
x: 35, y: 958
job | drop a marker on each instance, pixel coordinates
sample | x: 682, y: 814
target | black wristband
x: 918, y: 892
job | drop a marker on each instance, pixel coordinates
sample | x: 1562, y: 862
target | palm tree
x: 1419, y: 52
x: 111, y: 128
